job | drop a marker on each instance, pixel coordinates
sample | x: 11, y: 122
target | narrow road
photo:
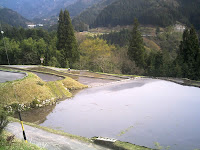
x: 48, y: 77
x: 49, y: 140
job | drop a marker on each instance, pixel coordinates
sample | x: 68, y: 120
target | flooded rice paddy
x: 10, y: 76
x: 142, y: 112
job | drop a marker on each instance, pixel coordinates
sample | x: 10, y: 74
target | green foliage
x: 9, y: 142
x: 27, y: 46
x: 67, y: 43
x: 161, y: 13
x: 15, y: 107
x: 189, y: 54
x: 96, y: 55
x: 79, y: 6
x: 34, y: 103
x: 3, y: 120
x: 129, y: 146
x: 191, y: 11
x: 152, y: 12
x: 169, y: 41
x: 125, y: 131
x: 185, y: 65
x: 136, y: 51
x: 157, y: 64
x: 88, y: 16
x: 159, y: 147
x: 60, y: 34
x: 120, y: 38
x: 40, y: 83
x: 53, y: 62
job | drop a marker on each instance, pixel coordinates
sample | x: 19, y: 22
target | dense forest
x: 26, y: 46
x: 155, y: 12
x: 109, y: 52
x: 79, y: 6
x: 88, y: 16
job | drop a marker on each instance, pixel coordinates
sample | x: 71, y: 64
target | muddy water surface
x: 10, y: 76
x: 141, y: 111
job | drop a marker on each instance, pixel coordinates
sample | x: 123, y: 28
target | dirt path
x: 47, y: 77
x: 48, y: 140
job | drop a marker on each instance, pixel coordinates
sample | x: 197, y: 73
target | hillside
x: 106, y: 13
x: 191, y: 11
x: 12, y: 18
x: 79, y: 6
x: 88, y: 16
x: 37, y: 8
x: 155, y: 12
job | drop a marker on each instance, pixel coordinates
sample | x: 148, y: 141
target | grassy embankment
x: 32, y: 91
x: 15, y: 144
x: 129, y: 146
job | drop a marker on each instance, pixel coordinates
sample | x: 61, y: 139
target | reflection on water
x: 140, y: 111
x: 10, y: 76
x: 37, y: 115
x: 74, y: 92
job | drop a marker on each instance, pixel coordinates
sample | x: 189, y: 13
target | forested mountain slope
x: 12, y: 18
x: 154, y: 12
x: 36, y: 8
x: 191, y: 10
x: 89, y: 15
x: 149, y: 12
x: 79, y: 6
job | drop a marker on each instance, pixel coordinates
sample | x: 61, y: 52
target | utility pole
x: 22, y: 127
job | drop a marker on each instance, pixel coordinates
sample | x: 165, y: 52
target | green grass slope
x: 32, y: 91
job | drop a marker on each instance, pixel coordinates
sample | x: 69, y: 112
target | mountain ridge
x: 10, y: 17
x: 79, y: 6
x: 153, y: 12
x: 37, y: 8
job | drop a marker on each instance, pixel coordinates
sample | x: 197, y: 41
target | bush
x: 34, y: 103
x: 3, y: 120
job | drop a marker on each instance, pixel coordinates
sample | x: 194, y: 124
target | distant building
x: 179, y: 27
x: 40, y: 25
x: 147, y: 35
x: 31, y: 26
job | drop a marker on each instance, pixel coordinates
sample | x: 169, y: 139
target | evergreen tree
x: 136, y: 51
x: 67, y: 43
x: 159, y: 64
x: 60, y: 33
x: 188, y: 57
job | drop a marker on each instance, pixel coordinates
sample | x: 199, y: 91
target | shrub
x: 3, y: 120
